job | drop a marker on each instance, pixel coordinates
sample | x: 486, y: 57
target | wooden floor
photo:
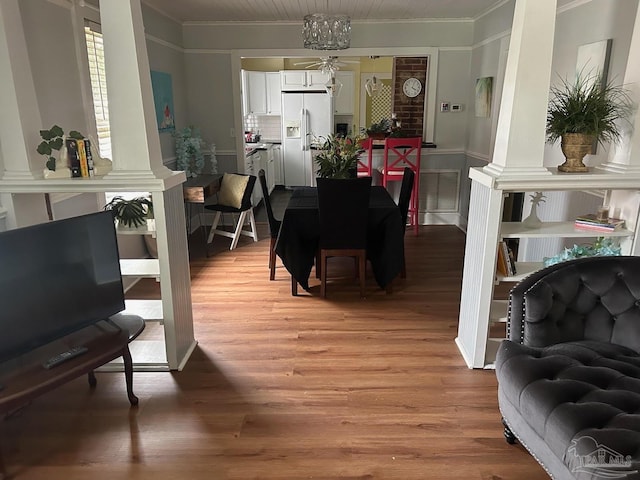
x: 289, y: 388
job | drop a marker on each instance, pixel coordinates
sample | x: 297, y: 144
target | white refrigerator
x: 306, y: 118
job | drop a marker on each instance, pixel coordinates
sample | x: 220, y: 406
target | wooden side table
x: 196, y: 191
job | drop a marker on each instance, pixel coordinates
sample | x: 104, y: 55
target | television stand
x: 24, y: 378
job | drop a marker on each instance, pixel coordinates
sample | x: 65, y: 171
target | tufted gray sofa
x: 569, y: 374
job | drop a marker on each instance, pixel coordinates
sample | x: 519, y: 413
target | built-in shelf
x: 555, y: 229
x: 140, y: 267
x: 499, y: 310
x: 523, y: 269
x: 150, y: 310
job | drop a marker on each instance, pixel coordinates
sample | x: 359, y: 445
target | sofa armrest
x: 595, y: 298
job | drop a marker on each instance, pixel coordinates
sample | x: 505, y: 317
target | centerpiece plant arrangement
x: 338, y: 156
x: 582, y: 113
x: 189, y: 151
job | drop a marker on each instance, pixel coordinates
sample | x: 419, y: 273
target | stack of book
x: 591, y: 222
x: 506, y: 262
x: 80, y: 158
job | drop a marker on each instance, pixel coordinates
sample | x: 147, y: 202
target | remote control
x: 64, y: 356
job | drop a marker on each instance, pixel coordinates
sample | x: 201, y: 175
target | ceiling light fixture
x: 372, y: 86
x: 322, y: 31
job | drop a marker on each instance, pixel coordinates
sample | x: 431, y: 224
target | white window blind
x: 95, y: 51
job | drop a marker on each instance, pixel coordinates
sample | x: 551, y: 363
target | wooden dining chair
x: 365, y: 166
x: 343, y: 206
x: 398, y: 154
x: 274, y: 223
x: 404, y: 199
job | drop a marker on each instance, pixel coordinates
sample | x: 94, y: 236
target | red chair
x: 365, y: 169
x: 398, y: 154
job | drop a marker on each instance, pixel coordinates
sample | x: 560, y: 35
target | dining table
x: 297, y: 243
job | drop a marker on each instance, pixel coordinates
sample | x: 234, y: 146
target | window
x: 95, y: 51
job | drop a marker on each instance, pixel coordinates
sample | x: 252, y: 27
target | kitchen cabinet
x: 303, y: 80
x: 479, y: 308
x: 274, y: 94
x: 261, y: 93
x: 343, y: 103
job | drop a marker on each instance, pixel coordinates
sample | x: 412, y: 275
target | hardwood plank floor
x: 289, y: 388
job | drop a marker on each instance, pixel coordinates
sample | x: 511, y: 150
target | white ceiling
x: 295, y: 10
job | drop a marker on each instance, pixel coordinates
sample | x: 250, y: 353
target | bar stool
x: 398, y: 154
x: 365, y: 169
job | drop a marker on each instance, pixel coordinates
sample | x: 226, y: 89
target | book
x: 591, y: 221
x: 506, y: 264
x: 84, y: 166
x: 87, y: 149
x: 502, y: 262
x: 74, y: 157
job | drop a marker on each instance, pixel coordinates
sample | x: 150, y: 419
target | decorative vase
x: 574, y: 147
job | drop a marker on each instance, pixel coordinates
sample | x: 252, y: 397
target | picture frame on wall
x: 592, y: 64
x: 163, y: 100
x: 483, y: 96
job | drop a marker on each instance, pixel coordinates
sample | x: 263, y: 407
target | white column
x: 20, y: 119
x: 134, y: 131
x: 520, y: 139
x: 624, y: 156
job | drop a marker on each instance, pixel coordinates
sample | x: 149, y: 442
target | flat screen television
x: 57, y: 278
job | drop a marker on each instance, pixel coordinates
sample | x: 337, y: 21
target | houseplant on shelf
x: 338, y: 156
x: 582, y: 113
x: 53, y: 141
x: 130, y: 213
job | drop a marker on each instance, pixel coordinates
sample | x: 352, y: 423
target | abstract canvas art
x: 163, y: 100
x: 484, y: 94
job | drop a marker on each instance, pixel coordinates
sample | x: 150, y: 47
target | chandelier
x: 322, y: 31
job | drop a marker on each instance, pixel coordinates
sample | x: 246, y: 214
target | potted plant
x: 338, y: 156
x: 582, y: 113
x: 379, y: 130
x: 53, y: 139
x: 189, y: 151
x: 130, y: 213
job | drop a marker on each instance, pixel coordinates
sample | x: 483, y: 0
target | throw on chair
x: 343, y: 206
x: 234, y: 197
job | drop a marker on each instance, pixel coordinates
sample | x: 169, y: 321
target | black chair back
x: 274, y: 224
x: 404, y: 199
x: 343, y: 206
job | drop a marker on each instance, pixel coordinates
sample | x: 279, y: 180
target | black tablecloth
x: 298, y: 239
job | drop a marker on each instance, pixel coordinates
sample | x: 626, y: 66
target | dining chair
x: 234, y: 197
x: 365, y: 168
x: 343, y: 206
x: 398, y: 154
x: 404, y: 200
x: 274, y: 223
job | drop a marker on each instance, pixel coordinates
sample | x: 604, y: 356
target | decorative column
x: 518, y: 153
x: 134, y: 132
x: 20, y: 120
x: 520, y: 138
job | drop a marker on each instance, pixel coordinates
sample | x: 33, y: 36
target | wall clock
x: 412, y: 87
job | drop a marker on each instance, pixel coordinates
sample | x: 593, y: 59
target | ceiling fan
x: 327, y: 65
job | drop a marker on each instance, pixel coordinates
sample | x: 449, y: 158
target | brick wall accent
x: 410, y: 111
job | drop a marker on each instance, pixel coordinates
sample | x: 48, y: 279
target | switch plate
x: 456, y: 107
x: 444, y: 107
